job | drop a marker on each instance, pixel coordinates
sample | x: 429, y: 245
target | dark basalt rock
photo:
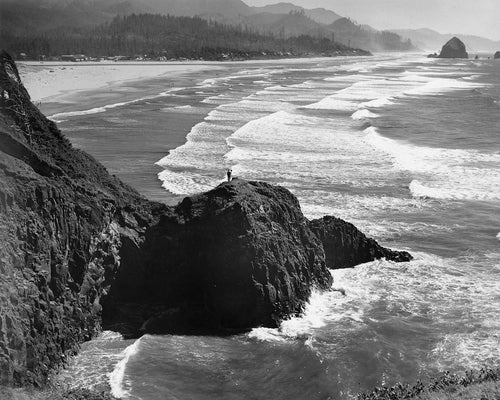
x: 79, y: 249
x: 454, y: 48
x: 497, y: 55
x: 236, y: 257
x: 345, y: 246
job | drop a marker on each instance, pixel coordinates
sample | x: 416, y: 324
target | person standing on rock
x: 229, y: 174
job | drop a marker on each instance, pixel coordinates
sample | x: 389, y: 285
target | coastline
x: 74, y: 88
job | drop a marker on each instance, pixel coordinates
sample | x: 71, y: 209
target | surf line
x: 57, y: 117
x: 117, y: 376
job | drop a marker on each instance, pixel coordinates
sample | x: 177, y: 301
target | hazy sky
x: 478, y: 17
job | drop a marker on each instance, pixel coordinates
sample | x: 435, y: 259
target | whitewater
x: 404, y: 147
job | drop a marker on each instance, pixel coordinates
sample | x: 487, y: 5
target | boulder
x: 454, y: 48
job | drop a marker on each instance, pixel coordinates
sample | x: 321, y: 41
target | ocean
x: 406, y: 148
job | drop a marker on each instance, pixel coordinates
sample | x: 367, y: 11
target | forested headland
x: 149, y: 36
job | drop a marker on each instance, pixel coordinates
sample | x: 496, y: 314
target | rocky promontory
x: 80, y: 250
x: 454, y: 48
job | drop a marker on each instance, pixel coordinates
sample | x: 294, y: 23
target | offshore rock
x: 497, y: 55
x: 454, y: 48
x: 346, y: 246
x: 80, y: 250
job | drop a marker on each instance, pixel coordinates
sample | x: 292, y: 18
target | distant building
x: 68, y: 57
x: 74, y: 57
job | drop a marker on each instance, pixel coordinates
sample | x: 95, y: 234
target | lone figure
x: 229, y: 174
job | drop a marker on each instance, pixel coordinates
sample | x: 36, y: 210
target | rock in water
x: 454, y: 48
x: 497, y: 55
x: 79, y: 249
x: 345, y: 246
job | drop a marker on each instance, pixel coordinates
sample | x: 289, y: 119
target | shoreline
x: 56, y: 89
x: 113, y: 147
x: 56, y: 81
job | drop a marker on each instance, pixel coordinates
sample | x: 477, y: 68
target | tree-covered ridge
x: 169, y: 37
x: 352, y: 34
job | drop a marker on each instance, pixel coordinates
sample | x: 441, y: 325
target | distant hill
x: 295, y: 23
x: 430, y: 40
x: 283, y: 20
x: 320, y: 15
x: 352, y: 34
x: 227, y: 8
x: 160, y: 37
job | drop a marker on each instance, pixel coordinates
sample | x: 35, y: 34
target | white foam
x: 363, y: 114
x: 443, y: 173
x: 117, y: 382
x: 498, y: 236
x: 316, y: 314
x: 332, y: 103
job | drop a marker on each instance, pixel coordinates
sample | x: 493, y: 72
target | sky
x: 474, y: 17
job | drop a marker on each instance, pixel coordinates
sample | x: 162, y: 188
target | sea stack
x: 454, y: 48
x: 497, y: 55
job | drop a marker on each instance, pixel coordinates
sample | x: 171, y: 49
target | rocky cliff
x: 454, y: 48
x: 79, y: 250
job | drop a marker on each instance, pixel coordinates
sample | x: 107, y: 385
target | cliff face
x: 63, y: 219
x: 79, y: 249
x: 454, y: 48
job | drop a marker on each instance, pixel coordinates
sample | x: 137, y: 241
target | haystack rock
x: 80, y: 250
x: 497, y: 55
x: 454, y: 48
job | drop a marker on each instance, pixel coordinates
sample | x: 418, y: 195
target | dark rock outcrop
x: 454, y: 48
x: 345, y: 246
x: 236, y: 257
x: 497, y: 55
x: 79, y: 249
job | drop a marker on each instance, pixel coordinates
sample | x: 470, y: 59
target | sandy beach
x: 49, y: 81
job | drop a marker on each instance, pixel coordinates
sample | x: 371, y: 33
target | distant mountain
x: 295, y: 23
x: 365, y: 37
x: 227, y: 8
x: 320, y: 15
x: 430, y: 40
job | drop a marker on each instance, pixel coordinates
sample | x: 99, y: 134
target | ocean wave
x: 117, y: 382
x: 443, y: 173
x: 59, y: 117
x: 315, y: 316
